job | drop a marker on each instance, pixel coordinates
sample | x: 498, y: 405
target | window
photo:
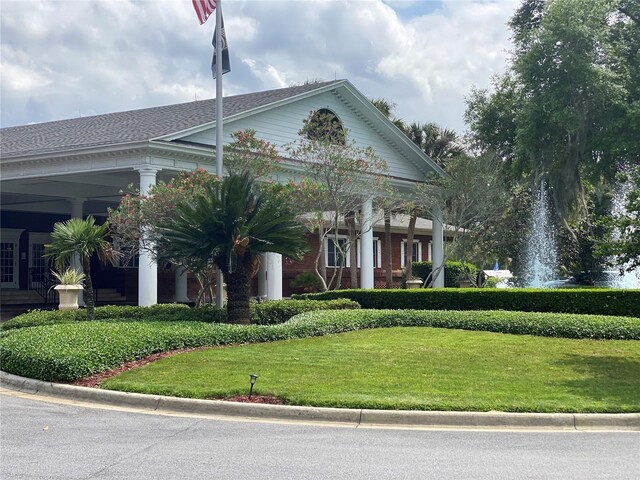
x: 416, y: 254
x: 325, y: 125
x: 333, y: 254
x: 7, y: 262
x: 377, y: 253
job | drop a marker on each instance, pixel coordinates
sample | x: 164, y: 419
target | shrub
x: 307, y: 281
x: 279, y: 311
x: 265, y: 313
x: 160, y: 312
x: 453, y: 271
x: 491, y: 282
x: 75, y: 350
x: 575, y: 300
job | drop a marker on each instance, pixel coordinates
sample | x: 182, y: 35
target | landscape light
x: 252, y: 380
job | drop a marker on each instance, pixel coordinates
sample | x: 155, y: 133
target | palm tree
x: 234, y: 221
x: 439, y: 143
x: 82, y: 238
x: 387, y: 109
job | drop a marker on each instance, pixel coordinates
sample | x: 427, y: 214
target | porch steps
x: 19, y: 297
x: 109, y: 295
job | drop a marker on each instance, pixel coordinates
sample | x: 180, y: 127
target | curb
x: 347, y: 416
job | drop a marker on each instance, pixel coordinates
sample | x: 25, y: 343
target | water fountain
x: 613, y: 278
x: 541, y: 253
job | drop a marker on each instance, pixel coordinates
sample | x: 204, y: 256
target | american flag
x: 204, y: 8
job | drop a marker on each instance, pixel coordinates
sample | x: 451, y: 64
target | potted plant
x: 415, y: 282
x: 69, y: 288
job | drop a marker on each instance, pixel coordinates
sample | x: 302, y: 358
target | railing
x: 42, y: 283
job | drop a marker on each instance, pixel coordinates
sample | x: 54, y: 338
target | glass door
x: 39, y: 266
x: 9, y: 274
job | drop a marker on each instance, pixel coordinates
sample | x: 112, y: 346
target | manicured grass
x: 411, y: 368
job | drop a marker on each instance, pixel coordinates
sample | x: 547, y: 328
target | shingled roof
x: 133, y: 125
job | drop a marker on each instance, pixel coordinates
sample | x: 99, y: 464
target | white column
x: 274, y: 276
x: 181, y: 284
x: 366, y: 243
x: 438, y: 252
x: 262, y: 276
x: 77, y: 211
x: 147, y: 267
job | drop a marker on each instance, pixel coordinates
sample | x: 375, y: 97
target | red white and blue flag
x: 204, y: 8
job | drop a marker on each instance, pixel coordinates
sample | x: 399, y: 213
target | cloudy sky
x: 68, y: 58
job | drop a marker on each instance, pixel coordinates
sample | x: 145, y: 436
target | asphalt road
x: 41, y: 440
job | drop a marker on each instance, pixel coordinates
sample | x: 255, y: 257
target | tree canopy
x: 566, y: 111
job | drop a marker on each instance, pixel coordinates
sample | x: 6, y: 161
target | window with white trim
x: 416, y: 254
x: 333, y: 254
x: 377, y: 253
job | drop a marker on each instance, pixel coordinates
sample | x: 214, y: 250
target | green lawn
x: 411, y: 368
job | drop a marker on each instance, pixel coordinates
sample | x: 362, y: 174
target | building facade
x: 54, y: 171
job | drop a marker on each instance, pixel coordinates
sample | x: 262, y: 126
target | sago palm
x: 82, y: 238
x: 228, y: 227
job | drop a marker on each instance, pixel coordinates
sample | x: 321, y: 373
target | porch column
x: 366, y: 244
x: 147, y: 267
x: 77, y: 211
x: 274, y: 276
x: 438, y: 251
x: 181, y: 285
x: 262, y: 276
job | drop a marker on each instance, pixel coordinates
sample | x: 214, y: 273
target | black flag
x: 225, y: 53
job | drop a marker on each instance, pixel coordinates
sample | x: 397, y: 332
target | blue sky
x: 65, y: 58
x: 408, y: 9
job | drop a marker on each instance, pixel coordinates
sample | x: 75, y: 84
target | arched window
x: 325, y: 125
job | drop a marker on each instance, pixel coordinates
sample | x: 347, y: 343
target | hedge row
x: 575, y: 300
x: 264, y: 313
x: 74, y: 350
x: 279, y: 311
x: 453, y: 271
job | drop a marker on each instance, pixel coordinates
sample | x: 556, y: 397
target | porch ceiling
x: 52, y: 194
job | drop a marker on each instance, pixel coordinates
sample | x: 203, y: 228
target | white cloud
x: 66, y: 56
x: 21, y: 79
x: 449, y: 51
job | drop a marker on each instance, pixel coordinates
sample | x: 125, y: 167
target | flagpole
x: 219, y: 131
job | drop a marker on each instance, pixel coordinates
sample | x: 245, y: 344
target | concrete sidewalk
x: 355, y: 417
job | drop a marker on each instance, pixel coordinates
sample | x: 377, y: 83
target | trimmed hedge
x: 160, y: 312
x: 452, y: 271
x: 264, y: 313
x: 575, y: 300
x: 74, y: 350
x: 279, y: 311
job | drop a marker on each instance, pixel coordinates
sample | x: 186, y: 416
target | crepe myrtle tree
x: 336, y: 174
x: 465, y: 200
x: 229, y: 226
x: 139, y: 213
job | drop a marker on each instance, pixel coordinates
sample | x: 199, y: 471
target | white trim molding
x: 403, y: 246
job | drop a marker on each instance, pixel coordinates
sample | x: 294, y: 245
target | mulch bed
x: 255, y: 399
